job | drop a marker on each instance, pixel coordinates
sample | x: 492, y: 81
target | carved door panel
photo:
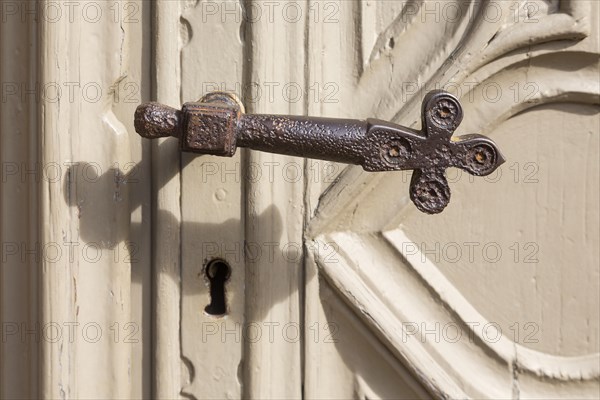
x: 266, y: 276
x: 482, y: 300
x: 337, y: 286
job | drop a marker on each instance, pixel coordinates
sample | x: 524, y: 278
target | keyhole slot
x: 217, y: 273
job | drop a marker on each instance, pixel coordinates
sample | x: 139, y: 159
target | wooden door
x: 335, y: 285
x: 391, y: 302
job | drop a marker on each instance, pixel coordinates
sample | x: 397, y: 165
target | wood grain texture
x: 104, y: 211
x: 274, y: 217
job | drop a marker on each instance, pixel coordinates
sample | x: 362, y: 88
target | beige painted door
x: 335, y: 286
x: 339, y: 287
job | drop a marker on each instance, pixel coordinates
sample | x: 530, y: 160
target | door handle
x: 218, y: 125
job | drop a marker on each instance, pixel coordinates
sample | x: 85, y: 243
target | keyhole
x: 217, y: 272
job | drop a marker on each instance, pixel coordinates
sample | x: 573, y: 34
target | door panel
x: 367, y: 266
x: 337, y: 287
x: 464, y: 318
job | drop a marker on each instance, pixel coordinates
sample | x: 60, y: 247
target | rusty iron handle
x: 217, y: 125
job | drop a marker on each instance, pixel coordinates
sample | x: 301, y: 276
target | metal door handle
x: 217, y: 125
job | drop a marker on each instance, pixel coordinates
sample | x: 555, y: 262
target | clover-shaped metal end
x: 441, y: 114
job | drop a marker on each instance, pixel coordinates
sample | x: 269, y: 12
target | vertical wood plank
x: 328, y: 64
x: 166, y: 210
x: 87, y: 213
x: 274, y: 208
x: 135, y: 88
